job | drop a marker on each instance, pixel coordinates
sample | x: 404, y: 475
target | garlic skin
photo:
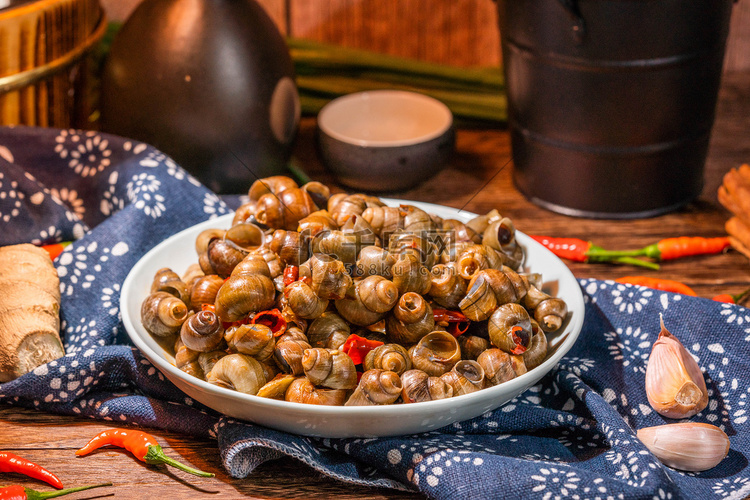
x: 675, y: 386
x: 688, y: 446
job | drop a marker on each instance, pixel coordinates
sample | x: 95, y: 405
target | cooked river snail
x: 337, y: 299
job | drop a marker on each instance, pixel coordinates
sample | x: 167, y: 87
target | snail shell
x: 202, y: 331
x: 477, y: 257
x: 384, y: 220
x: 288, y: 355
x: 374, y: 260
x: 318, y: 191
x: 390, y: 357
x: 293, y: 248
x: 273, y: 184
x: 301, y: 390
x: 253, y: 263
x: 316, y: 222
x: 460, y: 231
x: 303, y: 300
x: 252, y: 339
x: 293, y: 333
x: 416, y: 220
x: 207, y: 360
x: 376, y: 387
x: 329, y: 368
x: 435, y: 353
x: 364, y: 232
x: 447, y: 287
x: 244, y: 213
x: 204, y: 290
x: 239, y: 372
x: 346, y: 206
x: 166, y: 280
x: 187, y: 360
x: 489, y: 288
x: 222, y: 256
x: 501, y: 235
x: 472, y: 346
x: 242, y: 294
x: 328, y: 330
x: 510, y: 328
x: 337, y: 245
x: 465, y: 377
x: 276, y: 388
x: 283, y: 210
x: 364, y: 295
x: 409, y: 275
x: 549, y: 312
x: 498, y: 365
x: 329, y: 277
x: 537, y: 351
x: 162, y: 314
x: 480, y: 223
x: 423, y: 248
x: 245, y: 235
x: 410, y: 320
x: 417, y: 386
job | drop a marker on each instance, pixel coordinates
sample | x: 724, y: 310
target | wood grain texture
x: 477, y: 179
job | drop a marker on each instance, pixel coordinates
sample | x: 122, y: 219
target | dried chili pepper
x: 357, y: 347
x: 663, y: 284
x: 13, y: 463
x: 18, y: 492
x: 578, y: 250
x: 141, y: 444
x: 272, y: 319
x: 455, y: 322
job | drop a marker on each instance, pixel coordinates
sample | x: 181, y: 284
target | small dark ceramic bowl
x: 385, y: 140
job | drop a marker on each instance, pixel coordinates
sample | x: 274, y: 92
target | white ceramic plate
x: 335, y: 421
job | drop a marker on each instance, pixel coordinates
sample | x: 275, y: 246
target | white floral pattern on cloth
x: 572, y: 435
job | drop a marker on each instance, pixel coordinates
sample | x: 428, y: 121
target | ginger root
x: 29, y: 310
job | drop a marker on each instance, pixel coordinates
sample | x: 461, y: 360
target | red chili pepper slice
x: 357, y: 347
x: 272, y: 319
x: 291, y: 274
x: 455, y: 322
x: 519, y: 349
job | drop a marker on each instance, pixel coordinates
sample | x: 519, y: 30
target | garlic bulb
x: 687, y: 446
x: 674, y: 382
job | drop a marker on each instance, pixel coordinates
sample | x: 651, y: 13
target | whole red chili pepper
x: 731, y: 299
x: 18, y: 492
x: 13, y: 463
x: 141, y: 444
x: 683, y: 246
x: 579, y: 250
x: 357, y: 347
x: 658, y: 284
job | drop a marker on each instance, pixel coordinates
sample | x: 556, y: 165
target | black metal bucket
x: 611, y: 102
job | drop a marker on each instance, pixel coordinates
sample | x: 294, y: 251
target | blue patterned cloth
x: 570, y: 436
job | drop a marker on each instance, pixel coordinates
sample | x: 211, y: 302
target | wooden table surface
x: 476, y: 181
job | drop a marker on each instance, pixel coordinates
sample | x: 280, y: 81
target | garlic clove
x: 688, y: 446
x: 675, y: 386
